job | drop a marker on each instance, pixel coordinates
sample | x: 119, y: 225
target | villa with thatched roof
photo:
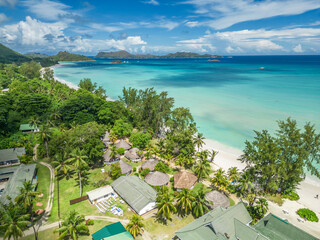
x: 150, y: 164
x: 133, y: 155
x: 184, y: 179
x: 157, y: 178
x: 125, y: 167
x: 218, y: 199
x: 123, y: 144
x: 107, y: 157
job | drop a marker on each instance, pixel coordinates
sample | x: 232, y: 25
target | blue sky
x: 227, y: 27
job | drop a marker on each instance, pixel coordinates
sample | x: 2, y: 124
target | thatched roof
x: 151, y: 164
x: 123, y: 144
x: 218, y: 199
x: 125, y: 167
x: 106, y: 138
x: 184, y: 179
x: 107, y: 157
x: 157, y: 178
x: 132, y: 154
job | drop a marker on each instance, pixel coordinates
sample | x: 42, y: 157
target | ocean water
x: 228, y: 99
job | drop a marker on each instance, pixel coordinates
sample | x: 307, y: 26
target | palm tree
x: 185, y: 199
x: 165, y: 203
x: 202, y: 169
x: 220, y: 180
x: 200, y: 205
x: 245, y: 185
x: 61, y: 169
x: 72, y: 227
x: 203, y: 155
x: 45, y: 135
x: 213, y: 154
x: 113, y: 152
x: 79, y: 163
x: 262, y: 207
x: 26, y: 197
x: 13, y: 222
x: 134, y: 227
x: 198, y: 141
x: 34, y: 122
x: 233, y: 174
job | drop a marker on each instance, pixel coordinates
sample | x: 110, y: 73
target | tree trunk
x: 47, y: 148
x: 34, y: 229
x: 80, y: 184
x: 58, y: 198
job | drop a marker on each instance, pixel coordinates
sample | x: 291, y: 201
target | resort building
x: 10, y: 156
x: 150, y: 164
x: 133, y: 155
x: 12, y: 179
x: 157, y: 179
x: 114, y: 231
x: 125, y: 167
x: 107, y: 157
x: 217, y: 199
x: 5, y: 90
x: 26, y: 128
x: 137, y: 194
x: 184, y: 179
x: 233, y: 223
x: 99, y: 194
x: 123, y: 144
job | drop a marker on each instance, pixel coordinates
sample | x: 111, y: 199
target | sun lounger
x: 300, y: 220
x: 285, y: 211
x: 100, y: 210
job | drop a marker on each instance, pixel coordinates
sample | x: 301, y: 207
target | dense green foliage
x: 115, y: 171
x: 308, y: 214
x: 140, y: 140
x: 291, y: 195
x: 64, y: 56
x: 9, y: 56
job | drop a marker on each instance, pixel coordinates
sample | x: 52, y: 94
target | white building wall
x: 148, y: 208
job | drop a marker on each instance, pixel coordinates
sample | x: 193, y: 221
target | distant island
x: 126, y: 55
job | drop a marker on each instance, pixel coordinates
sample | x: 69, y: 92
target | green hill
x: 36, y: 55
x: 7, y: 55
x: 68, y: 57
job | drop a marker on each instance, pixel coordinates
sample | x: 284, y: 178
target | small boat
x: 261, y: 68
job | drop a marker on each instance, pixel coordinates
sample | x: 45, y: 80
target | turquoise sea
x: 229, y: 98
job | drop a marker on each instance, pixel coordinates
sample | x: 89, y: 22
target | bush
x: 291, y: 196
x: 171, y: 180
x: 137, y: 174
x: 115, y: 171
x: 162, y: 167
x: 90, y: 222
x: 145, y: 172
x: 134, y: 169
x: 231, y: 188
x: 308, y: 214
x: 121, y: 151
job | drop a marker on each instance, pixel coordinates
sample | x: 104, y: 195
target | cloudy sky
x: 227, y: 27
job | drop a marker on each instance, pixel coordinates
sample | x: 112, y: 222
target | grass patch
x: 232, y: 203
x: 276, y: 198
x: 200, y: 185
x: 69, y: 190
x: 43, y: 178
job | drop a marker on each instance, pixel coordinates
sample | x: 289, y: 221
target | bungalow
x: 98, y: 194
x: 13, y: 178
x: 114, y: 231
x: 133, y: 155
x: 137, y: 194
x: 26, y: 128
x: 107, y: 157
x: 157, y: 179
x: 150, y: 164
x: 184, y: 179
x: 123, y: 144
x: 218, y: 199
x: 10, y: 156
x: 125, y: 167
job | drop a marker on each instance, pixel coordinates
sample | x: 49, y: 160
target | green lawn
x: 50, y: 235
x: 43, y: 178
x: 69, y: 190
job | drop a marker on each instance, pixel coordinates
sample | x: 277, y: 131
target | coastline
x: 227, y: 157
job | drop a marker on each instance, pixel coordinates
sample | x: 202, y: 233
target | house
x: 123, y: 144
x: 98, y: 194
x: 26, y: 128
x: 5, y: 90
x: 157, y: 179
x: 107, y: 157
x: 138, y: 194
x: 12, y: 180
x: 10, y: 156
x: 133, y: 155
x: 150, y: 164
x: 125, y: 167
x: 217, y: 199
x: 114, y: 231
x: 184, y: 179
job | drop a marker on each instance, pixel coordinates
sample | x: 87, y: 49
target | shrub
x: 137, y: 174
x: 90, y: 222
x: 115, y: 171
x: 291, y: 196
x: 121, y: 151
x: 134, y: 169
x: 308, y: 214
x: 171, y: 180
x: 231, y: 188
x: 145, y: 172
x: 162, y: 167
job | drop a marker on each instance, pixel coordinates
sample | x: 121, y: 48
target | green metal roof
x: 245, y: 232
x: 27, y: 127
x: 21, y: 174
x: 275, y: 228
x: 121, y: 236
x: 134, y: 191
x: 108, y: 231
x: 11, y: 154
x: 216, y: 224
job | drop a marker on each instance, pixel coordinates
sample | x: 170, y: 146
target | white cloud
x: 3, y: 18
x: 102, y: 27
x: 225, y: 13
x: 8, y: 3
x: 153, y: 2
x: 298, y: 49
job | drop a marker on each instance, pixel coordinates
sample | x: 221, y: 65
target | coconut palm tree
x: 34, y: 122
x: 262, y: 207
x: 165, y: 203
x: 200, y: 205
x: 203, y: 155
x: 134, y: 227
x: 13, y: 221
x: 26, y: 197
x: 213, y: 154
x: 220, y: 180
x: 113, y: 152
x: 198, y: 141
x: 245, y: 186
x: 202, y: 169
x: 45, y: 135
x: 184, y: 203
x: 72, y: 227
x: 79, y: 163
x: 233, y: 174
